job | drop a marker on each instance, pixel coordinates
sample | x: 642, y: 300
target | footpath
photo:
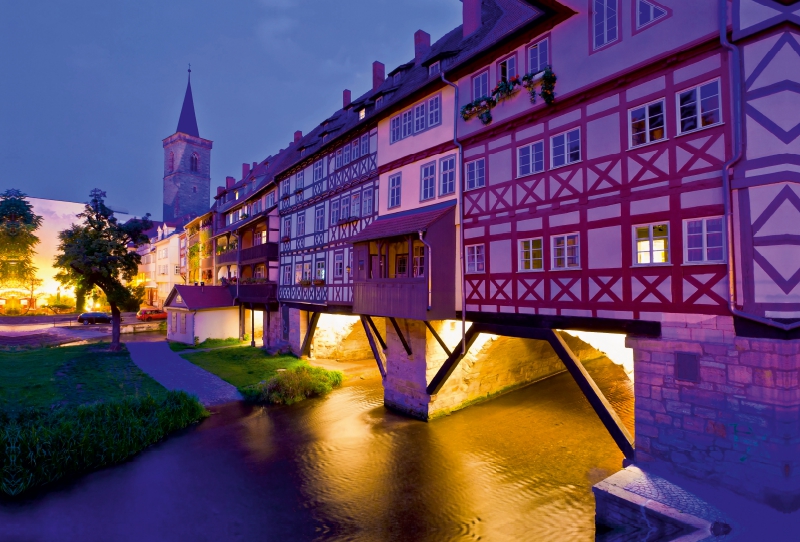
x: 175, y: 373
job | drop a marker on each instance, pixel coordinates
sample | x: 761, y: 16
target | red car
x: 146, y: 315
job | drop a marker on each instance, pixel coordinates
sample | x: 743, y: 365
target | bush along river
x: 343, y: 467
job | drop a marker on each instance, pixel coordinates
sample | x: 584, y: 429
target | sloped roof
x: 201, y: 297
x: 403, y: 223
x: 187, y: 123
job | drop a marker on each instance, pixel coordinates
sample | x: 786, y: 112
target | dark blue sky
x: 88, y: 89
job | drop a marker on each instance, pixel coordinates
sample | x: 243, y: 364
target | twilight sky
x: 89, y: 88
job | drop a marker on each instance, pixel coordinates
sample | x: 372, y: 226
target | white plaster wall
x: 411, y: 184
x: 217, y: 323
x: 176, y: 335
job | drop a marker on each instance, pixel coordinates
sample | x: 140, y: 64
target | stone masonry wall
x: 493, y: 365
x: 739, y: 426
x: 341, y: 337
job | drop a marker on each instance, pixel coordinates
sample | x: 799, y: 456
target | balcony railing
x: 194, y: 239
x: 265, y: 251
x: 227, y: 257
x: 256, y: 293
x: 206, y: 263
x: 401, y: 298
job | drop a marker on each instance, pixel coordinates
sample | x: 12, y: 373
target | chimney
x: 230, y: 181
x: 346, y: 95
x: 245, y: 169
x: 298, y: 135
x: 422, y: 45
x: 378, y: 74
x: 472, y: 16
x: 254, y: 165
x: 220, y: 190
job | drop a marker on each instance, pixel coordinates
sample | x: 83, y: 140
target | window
x: 367, y: 208
x: 475, y: 259
x: 530, y: 255
x: 183, y: 322
x: 355, y: 205
x: 362, y: 113
x: 378, y: 102
x: 287, y: 275
x: 566, y: 251
x: 285, y: 187
x: 480, y: 85
x: 193, y: 161
x: 401, y: 265
x: 177, y: 270
x: 704, y: 240
x: 259, y: 272
x: 428, y: 182
x: 301, y: 224
x: 419, y: 117
x: 301, y: 180
x: 345, y: 207
x: 271, y: 199
x: 604, y: 22
x: 396, y: 130
x: 334, y: 212
x: 699, y: 107
x: 652, y: 244
x: 448, y: 175
x: 338, y: 158
x: 319, y: 219
x: 364, y: 144
x: 434, y: 69
x: 320, y: 270
x: 302, y: 152
x: 338, y: 265
x: 317, y: 170
x: 476, y: 174
x: 647, y: 123
x: 419, y: 261
x: 646, y: 13
x: 566, y: 148
x: 298, y: 272
x: 507, y: 68
x: 530, y: 159
x: 307, y: 270
x: 538, y: 56
x: 356, y: 149
x: 434, y: 111
x: 408, y: 123
x: 394, y: 190
x: 171, y: 161
x: 397, y: 77
x: 346, y: 155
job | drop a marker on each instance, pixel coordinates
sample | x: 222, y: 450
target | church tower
x: 187, y: 167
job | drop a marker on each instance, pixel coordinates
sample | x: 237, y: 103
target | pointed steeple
x: 187, y: 124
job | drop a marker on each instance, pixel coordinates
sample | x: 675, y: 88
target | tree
x: 18, y: 224
x: 95, y: 253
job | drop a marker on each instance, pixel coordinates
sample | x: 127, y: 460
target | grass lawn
x: 208, y: 343
x: 242, y: 366
x: 70, y: 375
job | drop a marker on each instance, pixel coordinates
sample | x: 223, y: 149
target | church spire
x: 187, y: 124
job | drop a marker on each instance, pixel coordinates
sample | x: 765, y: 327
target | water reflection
x: 344, y: 468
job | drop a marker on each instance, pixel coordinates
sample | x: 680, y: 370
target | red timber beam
x: 597, y: 400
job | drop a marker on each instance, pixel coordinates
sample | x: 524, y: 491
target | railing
x: 256, y: 293
x: 227, y: 257
x: 401, y: 298
x: 206, y: 263
x: 265, y: 251
x: 194, y: 239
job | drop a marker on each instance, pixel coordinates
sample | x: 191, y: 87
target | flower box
x: 305, y: 283
x: 286, y: 239
x: 319, y: 282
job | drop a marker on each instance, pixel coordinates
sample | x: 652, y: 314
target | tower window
x: 194, y: 189
x: 194, y: 161
x: 171, y: 163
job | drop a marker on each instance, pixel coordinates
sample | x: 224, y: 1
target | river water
x: 519, y: 467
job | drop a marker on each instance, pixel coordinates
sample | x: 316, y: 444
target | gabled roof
x: 200, y: 297
x: 403, y: 223
x: 187, y: 123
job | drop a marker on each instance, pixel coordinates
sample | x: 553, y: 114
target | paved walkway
x: 175, y: 373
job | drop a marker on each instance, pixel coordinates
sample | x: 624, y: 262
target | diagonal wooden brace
x: 375, y: 351
x: 400, y: 334
x: 438, y: 338
x: 312, y: 327
x: 375, y: 330
x: 452, y: 361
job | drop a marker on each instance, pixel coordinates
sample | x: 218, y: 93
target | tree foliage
x: 96, y: 252
x: 18, y: 240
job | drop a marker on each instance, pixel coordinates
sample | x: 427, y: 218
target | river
x: 519, y: 467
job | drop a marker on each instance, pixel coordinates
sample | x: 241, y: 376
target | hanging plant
x: 548, y: 86
x: 545, y: 80
x: 478, y: 108
x: 505, y: 89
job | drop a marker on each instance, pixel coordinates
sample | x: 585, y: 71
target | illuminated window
x: 531, y: 255
x: 566, y: 251
x: 652, y: 244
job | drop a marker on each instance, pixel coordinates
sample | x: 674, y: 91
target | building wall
x: 186, y: 192
x: 216, y: 323
x: 179, y: 333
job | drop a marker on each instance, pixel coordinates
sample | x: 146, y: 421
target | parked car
x: 94, y: 318
x: 146, y: 315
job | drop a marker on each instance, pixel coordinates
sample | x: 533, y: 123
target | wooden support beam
x: 375, y: 329
x: 375, y: 352
x: 400, y: 334
x: 452, y: 361
x: 593, y: 394
x: 438, y: 339
x: 312, y: 327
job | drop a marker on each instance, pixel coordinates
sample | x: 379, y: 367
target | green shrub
x: 294, y: 385
x: 40, y: 446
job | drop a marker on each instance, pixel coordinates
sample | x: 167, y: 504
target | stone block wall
x: 341, y: 337
x: 739, y: 426
x: 493, y: 365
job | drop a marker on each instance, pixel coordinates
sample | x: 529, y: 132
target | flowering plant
x: 304, y: 282
x: 482, y: 107
x: 286, y: 238
x: 319, y: 282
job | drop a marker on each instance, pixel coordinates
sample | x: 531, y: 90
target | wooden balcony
x: 227, y: 257
x: 207, y: 263
x: 263, y: 252
x: 401, y: 298
x: 256, y: 293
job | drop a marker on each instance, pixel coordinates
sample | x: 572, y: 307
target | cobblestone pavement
x: 175, y: 373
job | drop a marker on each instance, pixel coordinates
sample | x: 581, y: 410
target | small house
x: 200, y: 313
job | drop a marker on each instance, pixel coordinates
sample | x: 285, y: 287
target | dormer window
x: 378, y: 102
x: 325, y: 138
x: 434, y: 69
x: 397, y: 77
x: 302, y: 152
x: 362, y: 113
